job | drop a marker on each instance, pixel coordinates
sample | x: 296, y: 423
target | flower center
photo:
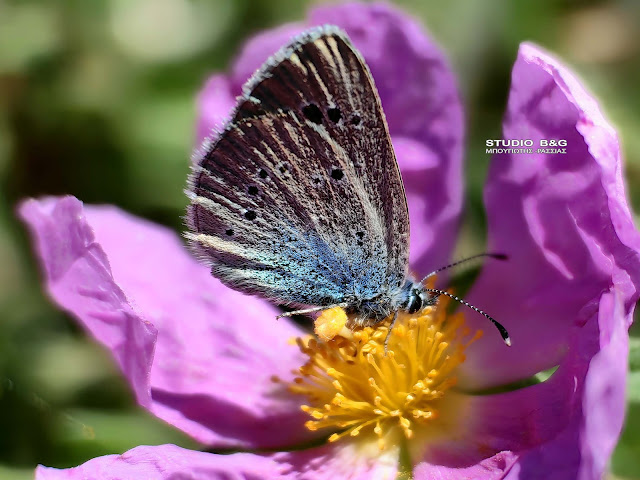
x: 353, y: 386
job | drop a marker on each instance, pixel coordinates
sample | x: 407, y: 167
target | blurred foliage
x: 97, y: 99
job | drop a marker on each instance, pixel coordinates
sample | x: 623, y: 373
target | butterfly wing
x: 300, y: 199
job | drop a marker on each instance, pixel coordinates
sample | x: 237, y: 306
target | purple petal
x: 582, y: 450
x: 604, y: 398
x: 168, y: 462
x: 564, y: 428
x: 215, y: 102
x: 492, y: 468
x: 216, y: 349
x: 342, y: 460
x: 422, y: 105
x: 78, y: 277
x: 562, y: 219
x: 172, y: 462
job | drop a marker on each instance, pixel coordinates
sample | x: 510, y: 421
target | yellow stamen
x: 354, y: 387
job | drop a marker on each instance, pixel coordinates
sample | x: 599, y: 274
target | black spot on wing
x: 312, y: 113
x: 334, y: 114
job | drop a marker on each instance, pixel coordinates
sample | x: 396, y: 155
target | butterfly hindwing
x: 300, y: 199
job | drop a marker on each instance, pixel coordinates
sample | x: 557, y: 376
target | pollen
x: 354, y: 388
x: 330, y: 323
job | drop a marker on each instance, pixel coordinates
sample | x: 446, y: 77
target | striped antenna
x: 497, y: 256
x: 503, y: 331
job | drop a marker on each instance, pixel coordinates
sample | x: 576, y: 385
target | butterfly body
x: 299, y: 199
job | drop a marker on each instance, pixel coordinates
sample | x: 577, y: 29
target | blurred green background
x: 97, y: 99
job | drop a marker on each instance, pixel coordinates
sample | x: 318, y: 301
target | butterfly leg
x: 310, y: 310
x: 391, y: 325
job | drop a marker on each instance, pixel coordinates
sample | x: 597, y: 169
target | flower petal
x: 492, y: 468
x: 561, y: 218
x: 216, y: 349
x: 171, y: 462
x: 347, y: 460
x: 582, y: 450
x: 78, y: 277
x: 422, y: 105
x: 215, y: 102
x: 563, y: 428
x: 167, y: 462
x: 604, y: 399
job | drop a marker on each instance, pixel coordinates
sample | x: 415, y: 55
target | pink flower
x: 202, y: 357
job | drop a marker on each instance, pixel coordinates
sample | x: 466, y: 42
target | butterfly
x: 299, y: 199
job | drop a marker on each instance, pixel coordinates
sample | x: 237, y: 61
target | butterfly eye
x: 313, y: 113
x: 334, y: 115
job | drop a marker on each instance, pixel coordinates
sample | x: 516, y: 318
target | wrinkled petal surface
x: 78, y: 277
x: 582, y: 449
x: 561, y: 218
x: 564, y: 428
x: 166, y: 462
x: 216, y: 350
x: 342, y: 460
x: 492, y: 468
x: 566, y: 294
x: 420, y: 100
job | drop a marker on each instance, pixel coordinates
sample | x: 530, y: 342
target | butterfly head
x: 417, y: 297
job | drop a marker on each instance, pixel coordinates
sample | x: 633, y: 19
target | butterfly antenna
x: 503, y: 331
x: 497, y: 256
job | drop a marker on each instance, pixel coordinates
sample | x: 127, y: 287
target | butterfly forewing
x: 300, y: 199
